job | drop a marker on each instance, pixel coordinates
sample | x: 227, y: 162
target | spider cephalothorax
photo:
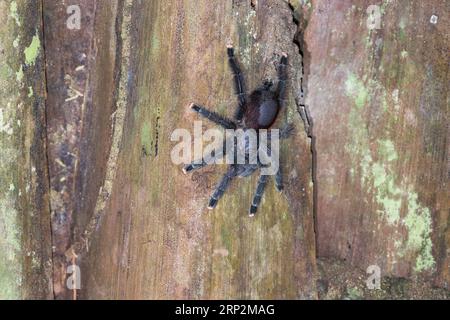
x: 259, y: 110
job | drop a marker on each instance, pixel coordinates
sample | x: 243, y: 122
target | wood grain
x: 379, y: 100
x: 157, y: 239
x: 85, y: 136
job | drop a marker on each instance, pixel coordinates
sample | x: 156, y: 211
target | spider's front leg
x: 282, y: 78
x: 238, y: 83
x: 213, y: 117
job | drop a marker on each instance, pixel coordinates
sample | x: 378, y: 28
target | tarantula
x: 259, y: 110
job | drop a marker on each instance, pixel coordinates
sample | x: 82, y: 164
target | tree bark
x: 157, y: 239
x: 85, y: 136
x: 379, y: 99
x: 25, y: 241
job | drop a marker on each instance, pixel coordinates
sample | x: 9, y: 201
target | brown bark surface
x: 157, y: 239
x: 86, y: 155
x: 379, y: 100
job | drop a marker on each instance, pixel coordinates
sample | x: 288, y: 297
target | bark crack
x: 300, y: 100
x: 47, y: 156
x: 122, y: 35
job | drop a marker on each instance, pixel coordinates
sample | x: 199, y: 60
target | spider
x: 259, y: 110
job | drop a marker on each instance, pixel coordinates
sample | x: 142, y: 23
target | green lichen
x: 355, y: 89
x: 365, y: 164
x: 30, y: 92
x: 387, y: 193
x: 387, y: 150
x: 354, y: 293
x: 19, y: 75
x: 419, y: 224
x: 13, y: 12
x: 146, y: 137
x: 16, y: 42
x: 378, y: 174
x: 32, y: 51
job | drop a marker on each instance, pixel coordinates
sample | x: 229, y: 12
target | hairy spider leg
x: 209, y: 159
x: 279, y: 180
x: 282, y: 78
x: 238, y: 84
x: 262, y: 181
x: 267, y: 84
x: 213, y: 117
x: 285, y: 133
x: 193, y: 166
x: 222, y: 186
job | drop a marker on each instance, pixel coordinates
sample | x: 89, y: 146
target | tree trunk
x: 85, y: 132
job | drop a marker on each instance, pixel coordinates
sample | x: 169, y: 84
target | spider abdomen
x: 262, y: 110
x: 267, y: 113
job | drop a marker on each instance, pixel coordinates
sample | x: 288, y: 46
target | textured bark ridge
x: 86, y: 117
x: 81, y: 72
x: 25, y: 241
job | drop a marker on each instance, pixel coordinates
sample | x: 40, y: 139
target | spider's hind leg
x: 285, y: 132
x: 279, y: 180
x: 258, y: 195
x: 221, y: 187
x: 193, y: 166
